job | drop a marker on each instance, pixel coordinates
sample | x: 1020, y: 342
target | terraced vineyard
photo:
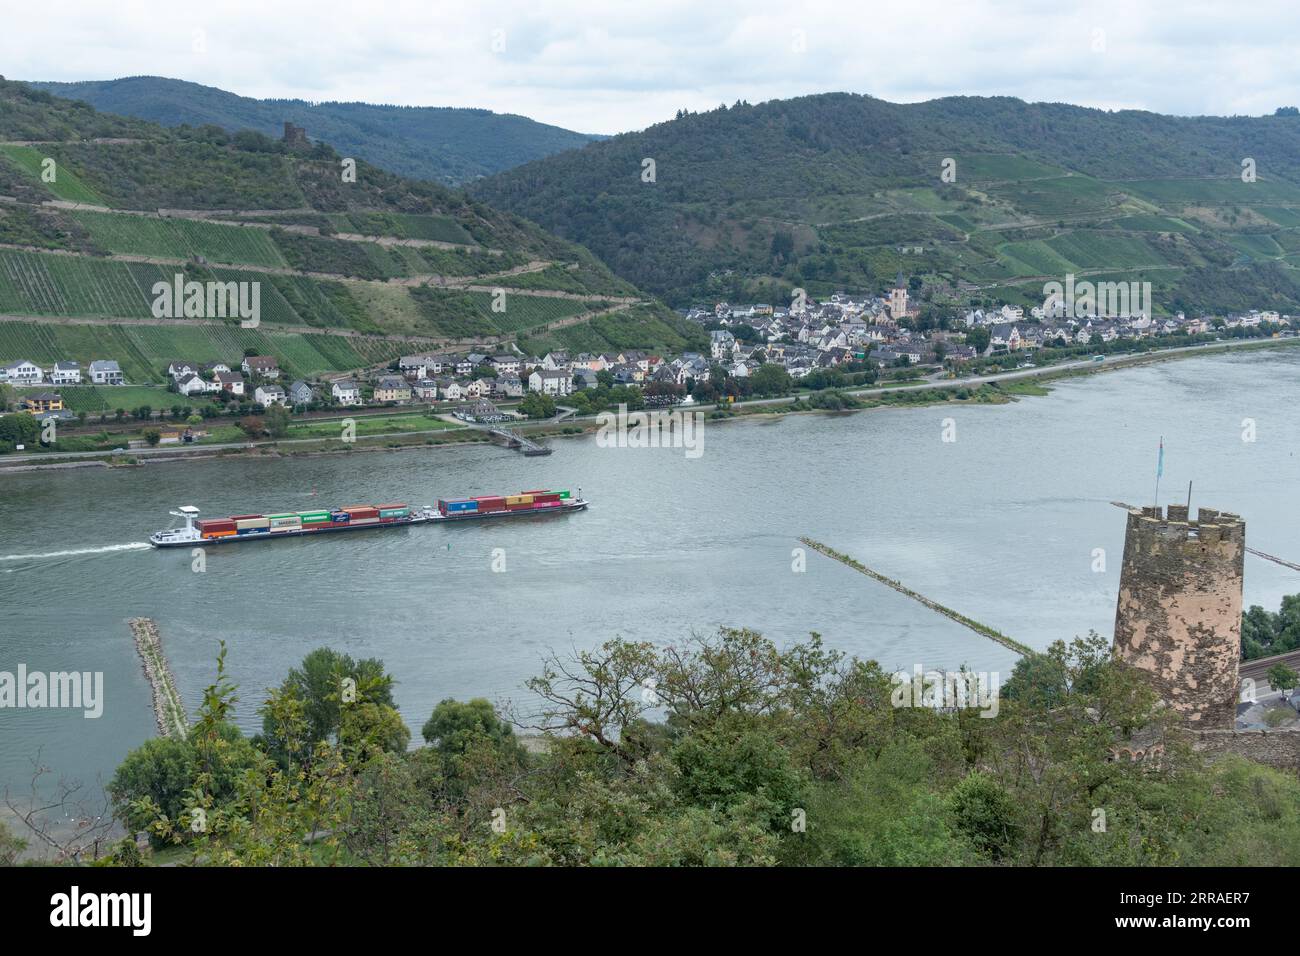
x: 181, y: 239
x: 40, y: 284
x: 66, y: 185
x: 61, y: 267
x: 402, y: 225
x: 143, y: 352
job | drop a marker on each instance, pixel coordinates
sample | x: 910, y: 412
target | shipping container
x: 313, y: 516
x: 364, y: 521
x: 253, y: 524
x: 215, y: 524
x: 394, y: 512
x: 519, y: 499
x: 546, y: 496
x: 362, y: 511
x: 488, y: 505
x: 238, y: 518
x: 340, y: 517
x: 227, y: 533
x: 564, y: 495
x: 457, y: 505
x: 393, y: 506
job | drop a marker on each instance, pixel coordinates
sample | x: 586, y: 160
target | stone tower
x: 1179, y: 611
x: 898, y: 299
x: 295, y: 137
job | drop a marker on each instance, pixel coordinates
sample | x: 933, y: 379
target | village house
x: 265, y: 366
x: 106, y: 372
x: 268, y: 395
x: 65, y: 373
x: 415, y: 366
x: 426, y: 390
x: 553, y: 383
x: 508, y: 386
x: 231, y: 382
x: 556, y: 361
x: 300, y: 393
x: 505, y: 364
x: 41, y: 403
x: 392, y: 388
x: 346, y: 392
x: 190, y: 385
x: 23, y: 372
x: 449, y: 389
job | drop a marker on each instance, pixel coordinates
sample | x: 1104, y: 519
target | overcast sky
x: 606, y: 67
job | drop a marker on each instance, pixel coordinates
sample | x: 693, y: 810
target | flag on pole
x: 1160, y: 458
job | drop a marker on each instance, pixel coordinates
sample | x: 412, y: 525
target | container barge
x: 509, y: 506
x: 250, y: 527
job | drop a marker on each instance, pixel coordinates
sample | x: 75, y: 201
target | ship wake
x: 132, y: 546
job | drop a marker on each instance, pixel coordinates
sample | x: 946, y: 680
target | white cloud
x: 608, y: 67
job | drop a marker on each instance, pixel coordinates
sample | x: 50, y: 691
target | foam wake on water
x: 133, y: 546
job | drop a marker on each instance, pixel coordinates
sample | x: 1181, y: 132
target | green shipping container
x: 395, y: 513
x: 314, y: 515
x: 563, y: 494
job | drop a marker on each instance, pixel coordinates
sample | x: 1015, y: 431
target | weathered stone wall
x: 1178, y: 616
x: 1276, y: 748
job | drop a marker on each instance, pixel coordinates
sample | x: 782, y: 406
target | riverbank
x: 996, y: 388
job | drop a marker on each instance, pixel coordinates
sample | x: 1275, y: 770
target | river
x: 1000, y: 524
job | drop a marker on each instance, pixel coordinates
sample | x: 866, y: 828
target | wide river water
x: 1000, y: 524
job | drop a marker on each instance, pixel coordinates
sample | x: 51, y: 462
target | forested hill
x: 844, y: 191
x: 446, y: 144
x: 356, y: 266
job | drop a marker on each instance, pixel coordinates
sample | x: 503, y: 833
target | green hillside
x: 379, y: 261
x: 839, y: 191
x: 445, y: 144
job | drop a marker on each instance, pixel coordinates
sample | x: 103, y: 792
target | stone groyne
x: 167, y: 706
x: 982, y: 629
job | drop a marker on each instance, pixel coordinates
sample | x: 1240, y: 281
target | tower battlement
x: 1178, y: 616
x: 1154, y: 529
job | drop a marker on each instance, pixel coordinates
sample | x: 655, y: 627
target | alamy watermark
x: 947, y: 690
x: 180, y: 299
x: 653, y: 429
x: 1108, y: 300
x: 74, y: 690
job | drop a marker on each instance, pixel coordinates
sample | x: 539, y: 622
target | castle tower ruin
x: 1178, y: 616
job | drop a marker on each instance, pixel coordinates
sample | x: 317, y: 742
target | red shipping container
x: 244, y: 517
x: 216, y: 524
x: 539, y: 491
x: 547, y: 496
x: 362, y: 511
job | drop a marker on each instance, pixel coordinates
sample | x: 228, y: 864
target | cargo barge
x: 250, y: 527
x: 509, y: 506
